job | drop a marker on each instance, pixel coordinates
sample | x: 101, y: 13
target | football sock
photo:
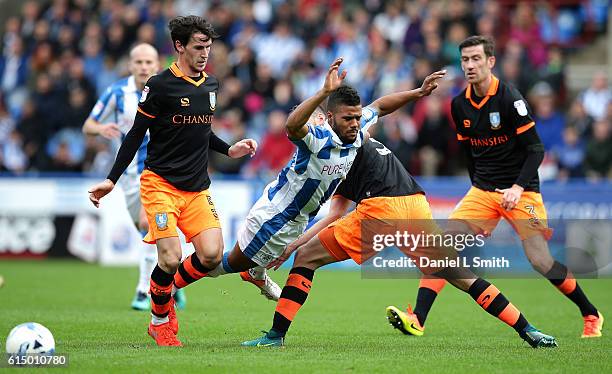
x: 562, y: 278
x: 429, y: 288
x: 189, y: 271
x: 495, y: 303
x: 223, y: 268
x: 161, y: 288
x: 292, y: 298
x: 148, y: 260
x: 258, y: 272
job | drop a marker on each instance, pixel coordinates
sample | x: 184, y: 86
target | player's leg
x: 200, y: 224
x: 536, y: 250
x: 308, y: 258
x: 250, y: 271
x: 262, y: 237
x: 162, y: 206
x: 475, y: 213
x: 495, y: 303
x: 529, y: 219
x: 429, y: 288
x: 148, y: 252
x: 168, y: 257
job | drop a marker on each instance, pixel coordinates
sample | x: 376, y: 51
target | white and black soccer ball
x: 30, y: 338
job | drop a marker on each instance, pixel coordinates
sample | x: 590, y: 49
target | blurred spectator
x: 550, y: 122
x: 56, y: 55
x: 13, y: 75
x: 231, y: 129
x: 578, y: 118
x: 433, y: 139
x: 570, y: 154
x: 392, y: 23
x: 596, y: 98
x: 277, y: 49
x: 598, y: 159
x: 274, y: 150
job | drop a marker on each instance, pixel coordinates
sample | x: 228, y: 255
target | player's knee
x: 211, y: 261
x: 169, y: 262
x: 541, y: 264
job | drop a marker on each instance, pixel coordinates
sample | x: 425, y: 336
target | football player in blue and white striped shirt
x: 325, y: 153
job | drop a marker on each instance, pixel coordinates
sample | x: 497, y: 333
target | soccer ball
x: 30, y: 338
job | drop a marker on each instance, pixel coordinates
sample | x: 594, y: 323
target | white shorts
x: 130, y: 184
x: 266, y: 232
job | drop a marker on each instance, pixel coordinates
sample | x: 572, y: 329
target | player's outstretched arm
x: 108, y: 130
x: 392, y: 102
x: 129, y: 147
x: 296, y: 122
x: 338, y: 206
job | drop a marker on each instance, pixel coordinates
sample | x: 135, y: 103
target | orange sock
x: 189, y: 271
x: 292, y: 298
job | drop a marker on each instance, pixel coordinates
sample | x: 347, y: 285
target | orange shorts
x: 343, y: 238
x: 168, y: 208
x: 482, y: 210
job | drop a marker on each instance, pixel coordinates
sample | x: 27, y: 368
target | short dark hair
x: 487, y: 44
x: 183, y: 27
x: 343, y: 95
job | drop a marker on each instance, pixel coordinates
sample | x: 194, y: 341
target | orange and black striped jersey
x: 492, y: 128
x: 178, y: 112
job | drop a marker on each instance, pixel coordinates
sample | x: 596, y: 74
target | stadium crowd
x: 58, y: 57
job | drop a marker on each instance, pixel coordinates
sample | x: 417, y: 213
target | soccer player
x: 384, y: 193
x: 323, y: 158
x: 112, y: 117
x: 177, y: 107
x: 497, y: 132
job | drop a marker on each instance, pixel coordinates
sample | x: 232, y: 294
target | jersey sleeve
x: 105, y: 106
x: 460, y: 123
x: 149, y: 99
x: 518, y: 111
x: 315, y: 140
x: 343, y: 190
x: 369, y: 117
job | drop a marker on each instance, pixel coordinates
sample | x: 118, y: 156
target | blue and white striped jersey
x: 118, y: 104
x: 319, y: 164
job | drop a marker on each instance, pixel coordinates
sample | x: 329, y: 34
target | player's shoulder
x: 508, y: 92
x: 159, y: 80
x: 459, y: 98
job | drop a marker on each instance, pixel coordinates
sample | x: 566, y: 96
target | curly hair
x: 183, y: 27
x: 343, y: 95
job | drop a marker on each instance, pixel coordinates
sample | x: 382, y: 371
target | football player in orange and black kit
x: 391, y: 200
x: 496, y: 129
x: 177, y: 108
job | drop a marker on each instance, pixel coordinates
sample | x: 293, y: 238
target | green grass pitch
x: 341, y: 328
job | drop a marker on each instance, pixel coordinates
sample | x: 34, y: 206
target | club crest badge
x: 161, y: 220
x: 495, y: 120
x: 213, y: 100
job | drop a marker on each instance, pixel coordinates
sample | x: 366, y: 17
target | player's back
x: 376, y: 172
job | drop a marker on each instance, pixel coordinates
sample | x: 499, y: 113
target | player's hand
x: 430, y: 83
x: 243, y: 148
x: 511, y: 196
x: 110, y: 131
x: 289, y: 249
x: 99, y: 191
x: 333, y: 80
